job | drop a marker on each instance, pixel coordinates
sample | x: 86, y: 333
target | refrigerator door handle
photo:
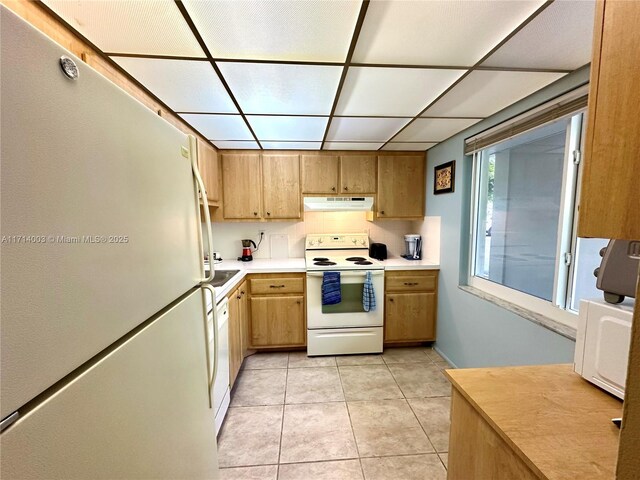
x: 214, y: 372
x: 205, y: 206
x: 6, y: 422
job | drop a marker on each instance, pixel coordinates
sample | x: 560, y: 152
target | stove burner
x: 356, y: 259
x: 321, y: 259
x: 364, y: 262
x: 324, y: 263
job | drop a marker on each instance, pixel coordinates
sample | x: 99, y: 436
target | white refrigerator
x: 104, y: 355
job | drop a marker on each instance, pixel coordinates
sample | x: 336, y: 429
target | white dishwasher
x: 221, y: 382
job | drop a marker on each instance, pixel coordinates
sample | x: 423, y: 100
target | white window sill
x: 545, y: 321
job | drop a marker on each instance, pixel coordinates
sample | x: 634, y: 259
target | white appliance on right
x: 602, y: 344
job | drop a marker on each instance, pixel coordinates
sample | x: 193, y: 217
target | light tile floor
x: 358, y: 417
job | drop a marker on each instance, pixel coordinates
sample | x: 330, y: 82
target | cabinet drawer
x: 409, y: 283
x: 262, y: 286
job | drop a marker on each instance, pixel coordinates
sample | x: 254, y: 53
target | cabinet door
x: 241, y: 182
x: 235, y: 337
x: 277, y: 321
x: 409, y: 317
x: 610, y: 194
x: 400, y: 186
x: 209, y: 167
x: 244, y: 319
x: 281, y: 186
x: 358, y: 174
x: 320, y: 174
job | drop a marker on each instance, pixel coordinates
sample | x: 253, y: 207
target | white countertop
x: 276, y: 265
x: 399, y: 263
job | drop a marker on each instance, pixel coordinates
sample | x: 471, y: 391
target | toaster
x: 378, y: 251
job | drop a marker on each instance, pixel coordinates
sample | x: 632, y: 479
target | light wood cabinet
x: 209, y: 166
x: 401, y: 186
x: 281, y: 186
x: 238, y: 326
x: 411, y: 300
x: 277, y: 311
x: 320, y: 174
x: 358, y: 174
x: 610, y: 195
x: 241, y: 181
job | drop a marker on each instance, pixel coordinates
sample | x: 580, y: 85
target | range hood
x: 338, y: 204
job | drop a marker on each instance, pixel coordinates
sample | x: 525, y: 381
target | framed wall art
x: 444, y: 178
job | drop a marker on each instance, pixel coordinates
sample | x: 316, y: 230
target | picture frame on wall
x: 444, y: 178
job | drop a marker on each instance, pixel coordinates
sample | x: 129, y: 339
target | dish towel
x: 331, y: 294
x: 368, y: 294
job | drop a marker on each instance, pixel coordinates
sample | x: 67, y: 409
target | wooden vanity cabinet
x: 277, y: 311
x: 411, y: 301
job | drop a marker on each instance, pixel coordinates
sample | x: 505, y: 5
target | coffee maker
x: 413, y: 247
x: 246, y: 250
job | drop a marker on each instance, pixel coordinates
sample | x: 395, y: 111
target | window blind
x: 564, y: 106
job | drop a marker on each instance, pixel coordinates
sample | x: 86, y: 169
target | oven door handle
x: 348, y: 274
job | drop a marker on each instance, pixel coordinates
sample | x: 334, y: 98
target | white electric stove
x: 344, y: 328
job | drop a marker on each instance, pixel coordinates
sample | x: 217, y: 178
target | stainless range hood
x: 338, y: 204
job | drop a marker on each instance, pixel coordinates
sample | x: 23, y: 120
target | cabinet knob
x: 268, y: 213
x: 333, y: 189
x: 255, y: 214
x: 346, y: 189
x: 391, y: 299
x: 298, y: 302
x: 242, y: 292
x: 381, y: 212
x: 276, y: 286
x: 238, y: 297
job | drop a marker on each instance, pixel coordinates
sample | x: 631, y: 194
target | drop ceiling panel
x: 288, y: 128
x: 219, y: 127
x: 364, y: 129
x: 312, y: 30
x: 291, y: 145
x: 231, y: 145
x: 444, y: 32
x: 409, y: 146
x: 184, y: 85
x: 482, y: 93
x: 352, y: 146
x: 152, y: 28
x: 284, y: 89
x: 560, y: 37
x: 392, y: 91
x: 433, y: 129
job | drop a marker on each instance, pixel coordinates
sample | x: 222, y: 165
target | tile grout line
x: 284, y: 403
x: 346, y: 404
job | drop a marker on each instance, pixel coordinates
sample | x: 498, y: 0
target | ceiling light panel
x: 364, y: 129
x: 482, y: 92
x: 184, y: 85
x: 392, y: 91
x: 352, y: 146
x: 288, y: 128
x: 433, y: 129
x: 444, y: 32
x: 151, y: 28
x: 409, y: 146
x: 231, y: 145
x: 282, y: 89
x: 560, y: 37
x: 291, y: 145
x: 219, y: 127
x: 312, y: 30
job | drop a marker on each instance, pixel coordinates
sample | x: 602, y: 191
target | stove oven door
x: 350, y: 311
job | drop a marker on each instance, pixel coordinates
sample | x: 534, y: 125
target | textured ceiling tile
x: 311, y: 30
x: 433, y: 129
x: 409, y: 146
x: 219, y: 127
x: 288, y: 128
x: 364, y: 129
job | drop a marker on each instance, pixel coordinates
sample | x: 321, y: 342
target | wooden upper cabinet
x: 320, y: 174
x: 358, y: 174
x: 610, y: 197
x: 401, y: 186
x: 241, y: 181
x: 209, y: 166
x: 281, y: 185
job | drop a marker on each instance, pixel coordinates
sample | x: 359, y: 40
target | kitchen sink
x: 222, y: 276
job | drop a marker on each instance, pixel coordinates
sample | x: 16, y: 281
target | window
x: 524, y: 247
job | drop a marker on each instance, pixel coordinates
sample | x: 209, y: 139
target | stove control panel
x: 337, y: 241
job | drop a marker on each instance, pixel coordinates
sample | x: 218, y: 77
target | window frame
x: 559, y: 308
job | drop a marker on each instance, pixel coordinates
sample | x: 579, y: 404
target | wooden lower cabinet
x: 237, y: 330
x: 410, y: 306
x: 276, y: 311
